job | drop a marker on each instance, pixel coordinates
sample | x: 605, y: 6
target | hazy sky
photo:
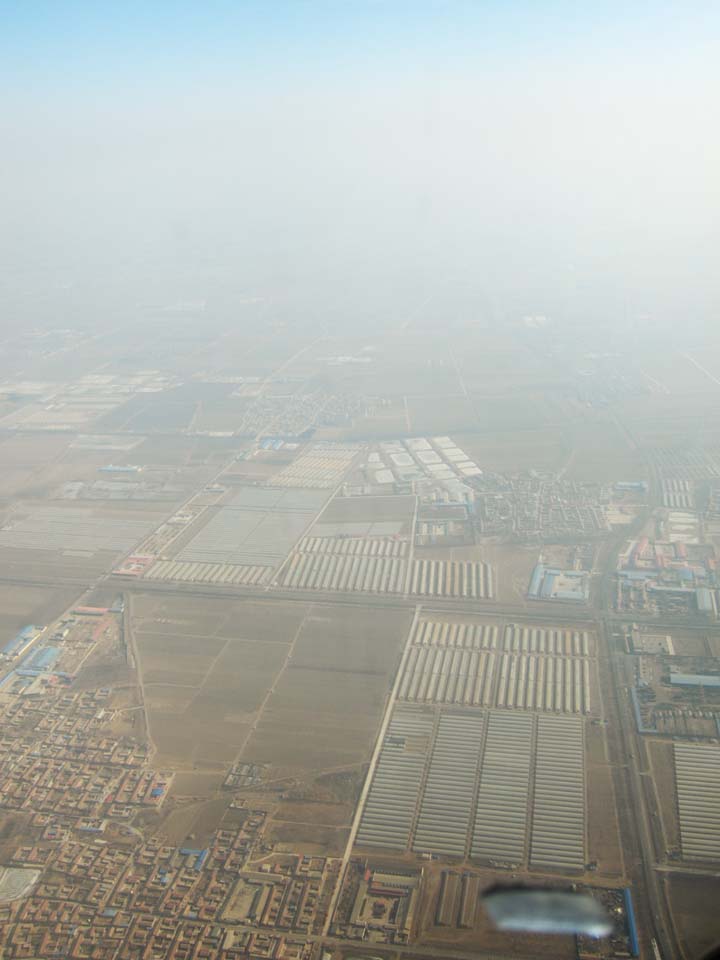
x: 555, y: 157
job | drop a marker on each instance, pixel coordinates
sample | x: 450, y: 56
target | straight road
x: 636, y: 831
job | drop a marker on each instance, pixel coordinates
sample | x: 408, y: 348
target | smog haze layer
x: 365, y: 158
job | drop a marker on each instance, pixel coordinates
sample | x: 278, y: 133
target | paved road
x: 637, y: 833
x: 539, y: 613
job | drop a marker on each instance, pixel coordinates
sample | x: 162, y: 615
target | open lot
x: 693, y: 901
x: 256, y: 526
x: 432, y: 414
x: 365, y: 517
x: 206, y: 668
x: 544, y: 449
x: 24, y: 605
x: 660, y: 753
x: 304, y: 685
x: 66, y: 540
x: 324, y: 709
x: 24, y: 460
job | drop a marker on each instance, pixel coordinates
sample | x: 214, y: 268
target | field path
x: 271, y: 689
x: 137, y: 663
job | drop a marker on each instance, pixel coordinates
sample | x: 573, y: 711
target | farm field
x: 62, y: 539
x: 298, y: 688
x: 206, y: 668
x: 324, y: 710
x: 693, y: 902
x: 433, y: 414
x: 22, y: 605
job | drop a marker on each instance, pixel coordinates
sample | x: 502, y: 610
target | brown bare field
x: 603, y: 832
x: 514, y: 565
x: 432, y: 415
x: 13, y: 830
x: 523, y: 412
x: 208, y: 666
x: 691, y: 645
x: 187, y: 663
x: 659, y: 420
x: 546, y: 448
x: 420, y: 368
x: 225, y: 414
x: 694, y: 904
x: 192, y: 822
x: 331, y: 814
x: 196, y: 784
x: 384, y: 422
x: 317, y: 720
x: 41, y: 565
x: 24, y: 460
x: 367, y: 509
x: 23, y: 605
x: 310, y: 837
x: 602, y: 451
x: 325, y: 707
x: 660, y: 754
x: 167, y: 702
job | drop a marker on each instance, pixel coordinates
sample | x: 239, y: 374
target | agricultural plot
x: 444, y: 675
x: 694, y: 900
x: 206, y: 668
x: 500, y: 827
x: 224, y: 415
x: 324, y: 708
x: 354, y: 546
x: 471, y: 783
x: 322, y: 466
x: 22, y: 605
x: 697, y: 778
x: 527, y: 639
x: 545, y: 449
x: 389, y: 812
x: 440, y: 414
x: 544, y: 683
x: 256, y: 529
x: 470, y: 580
x: 528, y: 412
x: 160, y: 413
x: 559, y: 802
x: 474, y: 665
x: 442, y: 828
x: 350, y: 528
x: 79, y: 531
x: 229, y: 573
x: 375, y: 574
x: 468, y: 636
x: 370, y: 517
